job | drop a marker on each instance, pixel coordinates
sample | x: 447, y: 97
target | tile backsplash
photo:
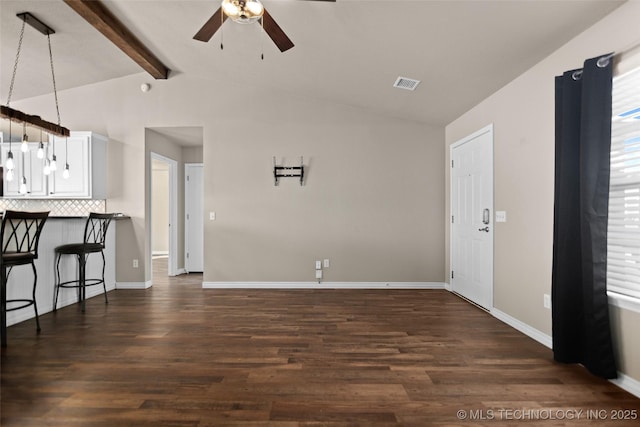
x: 58, y: 207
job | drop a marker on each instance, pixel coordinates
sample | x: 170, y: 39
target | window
x: 623, y: 262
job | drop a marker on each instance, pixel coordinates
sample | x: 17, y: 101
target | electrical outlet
x: 135, y: 263
x: 326, y: 263
x: 547, y: 301
x: 318, y: 274
x: 212, y: 216
x: 318, y: 265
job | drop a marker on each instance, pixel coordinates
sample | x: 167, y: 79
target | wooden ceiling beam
x: 96, y: 14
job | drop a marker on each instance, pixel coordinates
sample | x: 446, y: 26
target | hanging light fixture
x: 24, y: 147
x: 40, y: 153
x: 9, y: 164
x: 27, y: 120
x: 243, y: 11
x: 47, y: 163
x: 23, y: 184
x: 65, y: 172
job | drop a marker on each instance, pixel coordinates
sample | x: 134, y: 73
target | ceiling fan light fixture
x: 243, y: 11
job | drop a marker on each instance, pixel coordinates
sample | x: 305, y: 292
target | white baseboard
x: 133, y: 285
x: 323, y: 285
x: 627, y: 383
x: 530, y: 331
x: 623, y: 381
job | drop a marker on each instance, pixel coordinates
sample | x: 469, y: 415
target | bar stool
x: 19, y: 234
x: 95, y: 233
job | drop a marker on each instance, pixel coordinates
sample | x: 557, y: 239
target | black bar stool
x: 19, y: 234
x: 95, y: 233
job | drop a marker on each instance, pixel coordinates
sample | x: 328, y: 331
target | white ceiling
x: 348, y: 52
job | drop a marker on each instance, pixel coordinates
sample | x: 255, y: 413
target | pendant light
x: 52, y: 164
x: 40, y: 153
x: 47, y: 163
x: 65, y: 173
x: 24, y: 147
x: 23, y: 186
x: 9, y: 164
x: 23, y: 183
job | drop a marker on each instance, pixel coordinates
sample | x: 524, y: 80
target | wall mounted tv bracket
x: 288, y: 171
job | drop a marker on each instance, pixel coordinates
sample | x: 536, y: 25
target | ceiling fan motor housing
x: 243, y: 11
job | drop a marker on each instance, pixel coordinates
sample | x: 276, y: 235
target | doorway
x: 472, y: 217
x: 164, y: 211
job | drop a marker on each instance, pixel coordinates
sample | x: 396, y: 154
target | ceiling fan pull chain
x: 15, y: 65
x: 221, y: 31
x: 262, y: 39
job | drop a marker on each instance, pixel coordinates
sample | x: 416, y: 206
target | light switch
x: 212, y: 216
x: 501, y: 216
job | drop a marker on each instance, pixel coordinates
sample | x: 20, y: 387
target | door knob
x: 486, y: 229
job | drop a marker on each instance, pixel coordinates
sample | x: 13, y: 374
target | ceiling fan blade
x: 275, y: 32
x: 211, y: 26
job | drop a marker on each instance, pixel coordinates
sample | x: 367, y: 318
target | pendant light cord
x: 53, y: 77
x: 15, y: 65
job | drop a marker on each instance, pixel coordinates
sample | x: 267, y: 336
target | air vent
x: 406, y: 83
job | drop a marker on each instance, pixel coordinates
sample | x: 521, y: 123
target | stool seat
x: 95, y: 233
x: 79, y: 248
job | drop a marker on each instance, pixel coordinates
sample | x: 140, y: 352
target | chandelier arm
x: 15, y: 65
x: 53, y: 78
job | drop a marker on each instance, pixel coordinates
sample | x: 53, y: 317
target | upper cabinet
x: 85, y: 152
x: 28, y: 166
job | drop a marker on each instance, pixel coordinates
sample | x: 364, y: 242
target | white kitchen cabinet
x: 86, y: 153
x: 27, y: 165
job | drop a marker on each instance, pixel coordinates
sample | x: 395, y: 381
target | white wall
x: 523, y: 116
x: 372, y: 203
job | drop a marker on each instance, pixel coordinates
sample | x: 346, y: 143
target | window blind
x: 623, y: 244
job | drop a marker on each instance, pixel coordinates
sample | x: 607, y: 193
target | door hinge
x: 451, y: 163
x: 187, y: 254
x: 187, y: 177
x: 452, y: 219
x: 452, y: 274
x: 187, y: 216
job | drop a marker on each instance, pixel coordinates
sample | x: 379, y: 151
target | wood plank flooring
x: 178, y: 355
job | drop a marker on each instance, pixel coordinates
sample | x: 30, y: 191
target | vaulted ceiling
x: 348, y: 52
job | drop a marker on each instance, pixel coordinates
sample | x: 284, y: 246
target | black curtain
x: 580, y: 310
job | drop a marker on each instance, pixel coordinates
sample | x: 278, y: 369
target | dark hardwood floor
x: 178, y: 355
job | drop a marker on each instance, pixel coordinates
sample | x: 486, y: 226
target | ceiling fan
x: 246, y: 12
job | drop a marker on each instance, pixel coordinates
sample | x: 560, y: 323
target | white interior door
x: 194, y: 217
x: 472, y: 217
